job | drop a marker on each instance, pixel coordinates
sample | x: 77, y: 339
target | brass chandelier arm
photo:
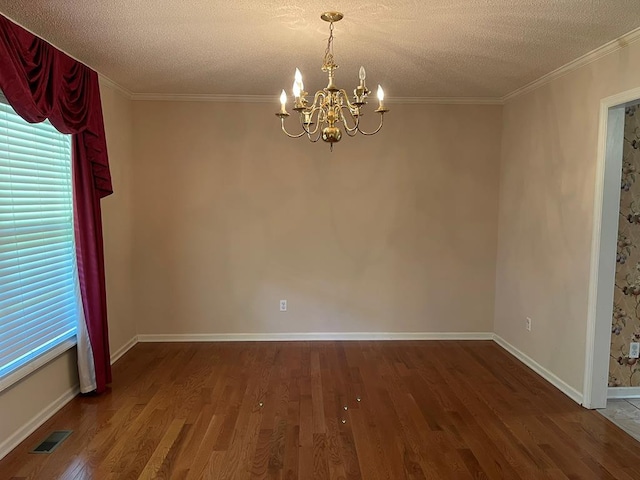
x: 289, y: 134
x: 304, y: 132
x: 319, y: 99
x: 377, y: 129
x: 353, y: 109
x: 351, y: 131
x: 316, y: 131
x: 314, y: 140
x: 314, y: 114
x: 309, y: 114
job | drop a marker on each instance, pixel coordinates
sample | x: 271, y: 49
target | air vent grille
x: 52, y: 442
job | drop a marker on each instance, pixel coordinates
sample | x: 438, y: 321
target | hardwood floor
x: 327, y: 410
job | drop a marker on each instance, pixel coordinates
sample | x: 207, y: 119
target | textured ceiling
x: 414, y: 48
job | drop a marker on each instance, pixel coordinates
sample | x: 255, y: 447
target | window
x: 39, y: 294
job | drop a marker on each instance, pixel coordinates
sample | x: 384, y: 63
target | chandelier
x: 331, y: 105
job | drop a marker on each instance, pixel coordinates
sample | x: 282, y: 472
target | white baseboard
x: 313, y: 336
x: 115, y: 356
x: 32, y: 425
x: 623, y: 392
x: 550, y: 377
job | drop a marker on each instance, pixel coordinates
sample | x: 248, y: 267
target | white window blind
x: 38, y: 295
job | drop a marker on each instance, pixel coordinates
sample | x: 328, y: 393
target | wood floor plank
x: 292, y: 442
x: 159, y: 456
x: 275, y: 410
x: 198, y: 459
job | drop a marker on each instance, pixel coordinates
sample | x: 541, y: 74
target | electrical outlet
x: 528, y: 324
x: 283, y: 305
x: 634, y: 350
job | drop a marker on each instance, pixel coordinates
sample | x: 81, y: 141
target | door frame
x: 606, y: 211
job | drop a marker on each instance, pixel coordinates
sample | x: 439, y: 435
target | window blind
x: 38, y: 299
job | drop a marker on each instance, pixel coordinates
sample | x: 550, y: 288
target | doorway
x: 603, y: 246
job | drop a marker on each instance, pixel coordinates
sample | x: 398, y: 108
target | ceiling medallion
x: 331, y: 105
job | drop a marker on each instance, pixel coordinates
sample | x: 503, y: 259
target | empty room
x: 309, y: 240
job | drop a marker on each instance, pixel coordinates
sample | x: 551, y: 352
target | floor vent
x: 52, y: 442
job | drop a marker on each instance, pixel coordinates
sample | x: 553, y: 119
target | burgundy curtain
x: 40, y: 82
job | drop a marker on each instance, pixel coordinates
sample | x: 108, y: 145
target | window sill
x: 26, y: 370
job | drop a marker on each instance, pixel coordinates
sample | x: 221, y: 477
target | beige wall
x: 392, y: 233
x: 547, y: 182
x: 117, y: 217
x: 37, y: 393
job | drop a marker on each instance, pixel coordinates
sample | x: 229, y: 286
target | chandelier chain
x: 328, y: 53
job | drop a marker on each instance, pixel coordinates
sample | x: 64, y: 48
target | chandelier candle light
x: 331, y: 105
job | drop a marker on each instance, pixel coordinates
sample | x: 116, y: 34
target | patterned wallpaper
x: 625, y: 326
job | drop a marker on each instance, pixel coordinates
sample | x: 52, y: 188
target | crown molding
x: 204, y: 97
x: 115, y: 86
x: 606, y: 49
x: 445, y: 100
x: 221, y: 98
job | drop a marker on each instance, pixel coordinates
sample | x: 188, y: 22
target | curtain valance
x: 41, y: 82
